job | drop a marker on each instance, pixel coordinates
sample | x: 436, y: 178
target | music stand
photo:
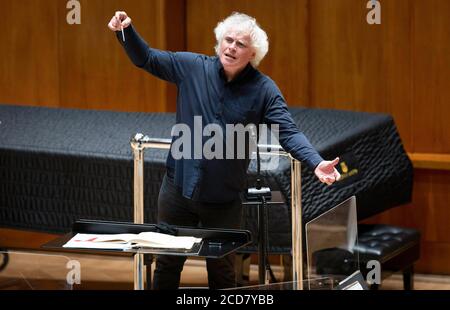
x: 216, y: 243
x: 296, y: 211
x: 140, y: 142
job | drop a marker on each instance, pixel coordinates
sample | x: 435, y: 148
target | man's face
x: 235, y: 51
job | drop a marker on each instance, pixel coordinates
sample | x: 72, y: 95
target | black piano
x: 61, y: 165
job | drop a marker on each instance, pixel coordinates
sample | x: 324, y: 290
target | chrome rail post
x: 138, y: 202
x: 138, y: 144
x: 296, y: 214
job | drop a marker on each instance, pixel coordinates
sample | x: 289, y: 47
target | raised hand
x: 119, y: 21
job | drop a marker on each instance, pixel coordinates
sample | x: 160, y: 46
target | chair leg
x: 408, y: 278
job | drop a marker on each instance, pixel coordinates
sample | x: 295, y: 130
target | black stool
x: 396, y: 248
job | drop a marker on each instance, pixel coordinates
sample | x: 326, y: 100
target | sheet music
x: 129, y: 241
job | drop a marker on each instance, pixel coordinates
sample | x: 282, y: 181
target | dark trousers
x: 177, y: 210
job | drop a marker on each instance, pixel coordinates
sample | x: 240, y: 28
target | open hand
x: 326, y: 172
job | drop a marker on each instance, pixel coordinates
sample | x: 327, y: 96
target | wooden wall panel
x: 400, y: 67
x: 431, y: 71
x: 29, y: 53
x: 95, y: 72
x: 286, y: 25
x: 175, y: 40
x: 361, y: 67
x: 429, y: 213
x: 52, y: 63
x: 322, y: 54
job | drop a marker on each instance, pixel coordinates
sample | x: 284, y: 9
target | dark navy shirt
x: 203, y: 90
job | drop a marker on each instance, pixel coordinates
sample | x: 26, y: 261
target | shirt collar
x: 241, y: 76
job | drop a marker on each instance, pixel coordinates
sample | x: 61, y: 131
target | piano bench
x: 395, y: 248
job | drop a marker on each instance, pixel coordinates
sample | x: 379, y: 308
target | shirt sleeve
x: 166, y: 65
x: 291, y: 138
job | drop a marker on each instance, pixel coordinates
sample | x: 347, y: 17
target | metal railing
x: 141, y: 142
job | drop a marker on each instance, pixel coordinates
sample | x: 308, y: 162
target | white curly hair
x: 247, y: 25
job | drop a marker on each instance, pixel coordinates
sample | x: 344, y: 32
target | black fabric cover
x: 366, y: 142
x: 60, y: 165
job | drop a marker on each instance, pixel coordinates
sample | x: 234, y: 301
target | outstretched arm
x: 166, y: 65
x: 137, y: 49
x: 326, y: 172
x: 295, y: 142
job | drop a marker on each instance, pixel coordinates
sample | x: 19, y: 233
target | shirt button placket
x: 219, y: 108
